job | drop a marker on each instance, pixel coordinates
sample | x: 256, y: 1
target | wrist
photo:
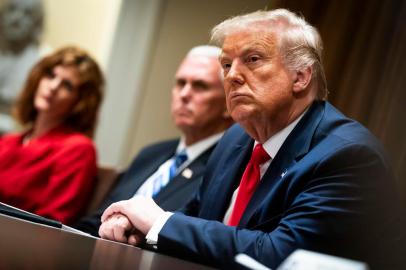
x: 152, y: 234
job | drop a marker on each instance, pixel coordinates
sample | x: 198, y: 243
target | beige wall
x: 139, y: 44
x: 87, y: 23
x: 183, y: 24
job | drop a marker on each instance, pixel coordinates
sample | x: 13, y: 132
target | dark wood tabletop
x: 25, y: 245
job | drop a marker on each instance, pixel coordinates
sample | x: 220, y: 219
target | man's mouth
x: 235, y: 96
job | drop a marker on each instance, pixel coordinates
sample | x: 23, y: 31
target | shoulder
x: 10, y: 137
x: 75, y: 139
x: 154, y: 152
x: 233, y: 142
x: 75, y: 144
x: 159, y: 147
x: 75, y: 149
x: 235, y: 135
x: 342, y: 141
x: 234, y: 130
x: 11, y: 140
x: 343, y: 132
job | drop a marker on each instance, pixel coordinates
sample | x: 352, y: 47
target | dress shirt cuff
x: 152, y: 235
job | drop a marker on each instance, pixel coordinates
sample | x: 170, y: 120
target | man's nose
x: 186, y: 90
x: 234, y: 74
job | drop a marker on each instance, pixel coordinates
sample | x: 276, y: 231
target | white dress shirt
x: 193, y: 151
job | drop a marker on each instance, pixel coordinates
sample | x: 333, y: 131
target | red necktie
x: 249, y: 183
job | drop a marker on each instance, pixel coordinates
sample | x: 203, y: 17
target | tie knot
x: 259, y: 155
x: 180, y: 158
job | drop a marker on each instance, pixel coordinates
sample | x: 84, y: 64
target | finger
x: 122, y: 225
x: 101, y: 231
x: 119, y: 234
x: 112, y: 209
x: 135, y: 239
x: 105, y: 231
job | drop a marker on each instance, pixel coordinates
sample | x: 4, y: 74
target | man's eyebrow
x: 256, y: 47
x: 199, y: 81
x: 222, y: 56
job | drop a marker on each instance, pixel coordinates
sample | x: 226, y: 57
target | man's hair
x: 300, y: 44
x: 206, y: 51
x: 83, y: 116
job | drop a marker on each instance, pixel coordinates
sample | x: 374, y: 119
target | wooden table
x: 25, y: 245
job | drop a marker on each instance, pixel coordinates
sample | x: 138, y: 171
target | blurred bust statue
x: 21, y: 24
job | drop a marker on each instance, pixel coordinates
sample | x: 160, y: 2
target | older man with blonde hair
x: 293, y: 173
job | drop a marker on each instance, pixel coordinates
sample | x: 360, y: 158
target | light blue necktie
x: 177, y: 161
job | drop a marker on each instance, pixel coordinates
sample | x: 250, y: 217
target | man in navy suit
x: 293, y: 173
x: 199, y: 111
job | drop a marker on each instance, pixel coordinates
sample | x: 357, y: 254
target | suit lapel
x: 196, y: 168
x: 220, y: 192
x: 296, y: 145
x: 141, y: 172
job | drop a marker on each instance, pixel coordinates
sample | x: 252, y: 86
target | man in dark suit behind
x: 293, y: 173
x: 199, y: 111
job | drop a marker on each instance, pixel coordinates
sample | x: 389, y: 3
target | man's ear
x: 302, y: 79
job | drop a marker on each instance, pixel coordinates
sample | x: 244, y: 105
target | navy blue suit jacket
x: 172, y: 197
x: 328, y: 189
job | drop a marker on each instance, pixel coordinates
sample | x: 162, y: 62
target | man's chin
x: 241, y: 115
x: 184, y: 124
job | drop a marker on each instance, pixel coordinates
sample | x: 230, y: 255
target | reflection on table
x: 25, y: 245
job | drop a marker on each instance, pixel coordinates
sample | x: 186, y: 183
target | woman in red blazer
x: 50, y: 168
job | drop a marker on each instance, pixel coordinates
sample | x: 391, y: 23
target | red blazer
x: 52, y: 176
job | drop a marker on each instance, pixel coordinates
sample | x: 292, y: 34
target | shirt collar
x: 196, y: 149
x: 274, y: 143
